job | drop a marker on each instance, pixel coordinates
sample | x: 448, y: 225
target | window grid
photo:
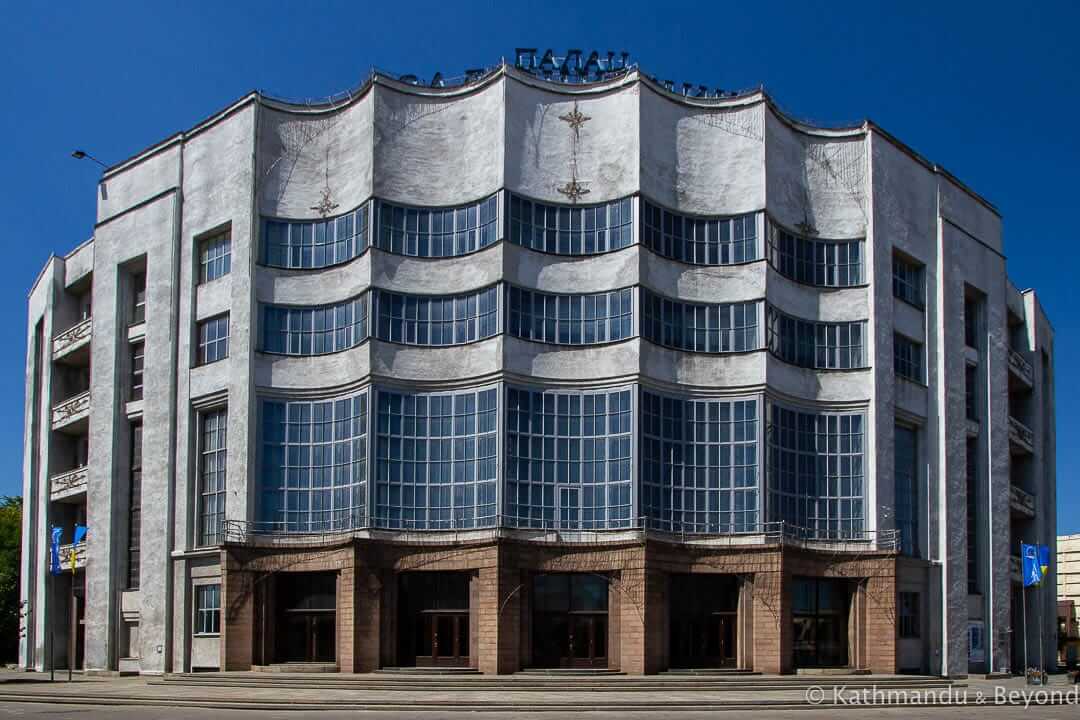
x: 568, y: 459
x: 906, y: 474
x: 571, y: 230
x: 314, y: 465
x: 907, y: 358
x: 437, y: 320
x: 910, y: 622
x: 438, y: 232
x: 315, y: 330
x: 138, y: 360
x: 825, y: 263
x: 816, y: 472
x: 135, y: 509
x: 212, y: 477
x: 709, y: 328
x: 215, y: 257
x: 437, y: 460
x: 809, y: 344
x: 907, y: 278
x: 315, y: 244
x: 698, y: 240
x: 570, y: 319
x: 207, y: 609
x: 138, y: 299
x: 213, y: 339
x: 699, y: 464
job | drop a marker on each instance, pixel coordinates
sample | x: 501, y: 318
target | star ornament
x: 326, y: 204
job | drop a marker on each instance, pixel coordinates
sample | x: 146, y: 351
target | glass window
x: 825, y: 263
x: 906, y: 473
x: 212, y: 462
x: 568, y: 459
x: 910, y: 622
x: 315, y: 244
x: 138, y: 298
x: 438, y: 232
x: 907, y: 281
x: 816, y: 472
x: 436, y: 460
x: 711, y: 328
x: 570, y: 319
x: 213, y: 339
x: 699, y: 470
x: 207, y: 609
x: 699, y: 240
x: 138, y: 359
x: 215, y: 256
x: 907, y: 358
x: 571, y: 230
x: 315, y: 330
x: 437, y: 320
x: 972, y: 306
x: 971, y: 389
x: 135, y: 508
x: 313, y: 467
x: 824, y: 346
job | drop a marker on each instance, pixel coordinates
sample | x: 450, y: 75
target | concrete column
x: 237, y: 614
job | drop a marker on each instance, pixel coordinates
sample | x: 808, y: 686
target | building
x: 1068, y: 594
x: 552, y: 366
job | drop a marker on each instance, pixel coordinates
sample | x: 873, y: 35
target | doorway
x: 820, y: 616
x: 704, y: 621
x: 433, y: 620
x: 570, y: 620
x: 307, y: 617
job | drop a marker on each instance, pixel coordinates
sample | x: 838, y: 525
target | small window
x: 908, y: 358
x: 910, y: 625
x: 213, y: 339
x: 138, y: 356
x: 138, y: 289
x: 908, y: 283
x: 215, y: 257
x: 207, y: 609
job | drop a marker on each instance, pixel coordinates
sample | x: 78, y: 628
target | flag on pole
x: 54, y: 551
x: 1044, y: 559
x: 1032, y: 569
x: 80, y: 535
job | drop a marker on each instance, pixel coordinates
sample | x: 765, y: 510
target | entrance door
x: 443, y: 639
x: 306, y: 617
x: 704, y: 621
x: 570, y: 620
x: 309, y: 637
x: 433, y: 619
x: 820, y: 617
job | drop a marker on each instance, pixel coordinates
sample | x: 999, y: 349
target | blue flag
x: 80, y: 533
x: 54, y: 551
x: 1030, y: 560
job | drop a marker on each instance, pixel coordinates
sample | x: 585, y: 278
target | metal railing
x: 69, y: 409
x: 71, y: 337
x: 1019, y: 365
x: 1021, y: 499
x: 1021, y: 433
x: 69, y: 482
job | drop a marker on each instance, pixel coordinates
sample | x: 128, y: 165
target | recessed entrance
x: 433, y: 621
x: 307, y: 617
x: 570, y: 620
x: 704, y: 615
x: 820, y: 615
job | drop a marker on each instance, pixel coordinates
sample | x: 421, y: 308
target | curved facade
x: 495, y: 341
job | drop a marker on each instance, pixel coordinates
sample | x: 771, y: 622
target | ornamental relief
x: 72, y: 336
x: 71, y: 408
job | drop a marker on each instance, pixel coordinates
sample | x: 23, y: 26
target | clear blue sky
x: 988, y: 90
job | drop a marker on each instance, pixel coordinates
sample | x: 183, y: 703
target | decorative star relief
x: 575, y: 118
x: 574, y: 190
x: 326, y: 204
x: 806, y: 227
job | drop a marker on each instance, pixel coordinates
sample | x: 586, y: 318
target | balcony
x: 73, y: 345
x: 66, y: 552
x: 69, y: 485
x: 1021, y: 502
x: 1021, y: 439
x: 1021, y: 370
x: 72, y: 415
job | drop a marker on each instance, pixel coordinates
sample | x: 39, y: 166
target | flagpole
x: 1023, y: 602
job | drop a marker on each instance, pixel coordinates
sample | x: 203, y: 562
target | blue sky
x: 989, y: 90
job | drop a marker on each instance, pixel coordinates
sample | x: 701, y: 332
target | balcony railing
x: 1021, y: 501
x: 66, y: 552
x: 71, y: 410
x: 1021, y: 436
x: 73, y: 338
x: 68, y: 484
x: 1021, y: 368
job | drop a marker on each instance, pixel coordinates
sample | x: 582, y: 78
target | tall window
x: 207, y: 609
x: 314, y: 465
x: 699, y: 470
x: 906, y: 474
x: 825, y: 263
x: 568, y: 458
x: 971, y: 389
x: 138, y: 360
x: 315, y: 330
x: 134, y: 508
x: 438, y: 232
x: 212, y: 477
x: 910, y: 616
x: 972, y: 494
x: 908, y: 358
x: 315, y: 244
x: 710, y: 328
x: 436, y: 460
x: 576, y: 230
x: 825, y: 346
x: 215, y: 256
x: 816, y: 471
x: 435, y: 320
x: 138, y: 298
x: 908, y: 282
x: 570, y: 319
x: 698, y: 240
x: 213, y: 339
x: 972, y: 305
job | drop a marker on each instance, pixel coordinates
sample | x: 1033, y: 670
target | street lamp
x: 82, y: 154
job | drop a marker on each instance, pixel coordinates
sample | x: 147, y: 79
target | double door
x: 443, y: 639
x: 309, y: 636
x: 704, y: 641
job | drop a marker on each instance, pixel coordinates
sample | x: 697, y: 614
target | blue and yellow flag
x: 1044, y: 559
x: 1032, y: 570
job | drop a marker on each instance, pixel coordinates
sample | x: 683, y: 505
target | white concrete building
x: 322, y: 367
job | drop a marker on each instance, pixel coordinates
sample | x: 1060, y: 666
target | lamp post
x: 83, y: 155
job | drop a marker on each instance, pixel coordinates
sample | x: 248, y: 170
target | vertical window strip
x: 908, y: 358
x: 437, y: 460
x: 437, y: 232
x: 212, y: 466
x: 213, y: 339
x: 816, y: 345
x: 568, y: 459
x: 138, y: 299
x: 314, y: 465
x: 699, y: 240
x: 700, y: 469
x: 138, y: 360
x: 908, y: 283
x: 215, y: 257
x: 437, y: 320
x: 570, y: 319
x: 571, y: 230
x: 825, y: 263
x: 698, y: 327
x: 315, y: 330
x: 906, y: 473
x: 135, y: 509
x: 315, y: 244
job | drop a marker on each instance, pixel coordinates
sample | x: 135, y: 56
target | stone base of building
x: 503, y: 605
